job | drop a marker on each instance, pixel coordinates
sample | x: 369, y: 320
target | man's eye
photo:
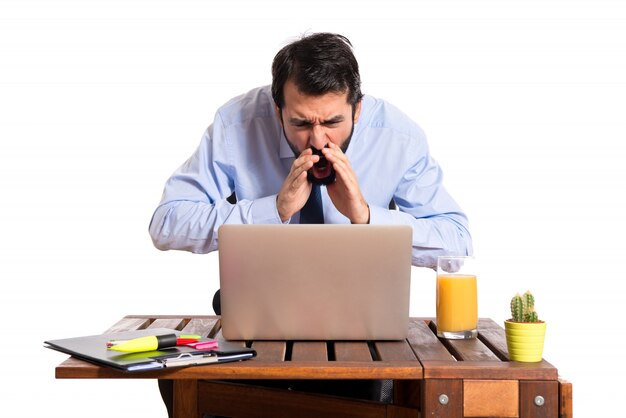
x: 309, y: 125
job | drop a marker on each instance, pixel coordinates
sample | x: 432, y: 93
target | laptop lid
x: 315, y: 282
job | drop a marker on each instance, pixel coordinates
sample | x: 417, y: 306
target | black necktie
x: 312, y: 211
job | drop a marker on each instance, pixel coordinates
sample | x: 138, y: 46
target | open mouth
x: 322, y: 171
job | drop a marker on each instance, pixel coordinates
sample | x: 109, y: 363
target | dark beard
x: 309, y: 175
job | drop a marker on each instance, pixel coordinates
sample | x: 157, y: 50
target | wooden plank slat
x: 173, y: 323
x: 394, y: 351
x: 352, y: 351
x: 249, y: 369
x: 463, y: 350
x: 218, y: 334
x: 433, y: 405
x: 186, y: 399
x: 549, y: 393
x: 128, y: 324
x: 425, y: 343
x: 471, y: 350
x: 231, y: 399
x: 491, y: 398
x: 172, y: 316
x: 565, y: 399
x: 203, y: 327
x: 394, y: 411
x: 489, y: 370
x: 272, y: 351
x: 407, y: 393
x: 309, y: 351
x: 492, y: 335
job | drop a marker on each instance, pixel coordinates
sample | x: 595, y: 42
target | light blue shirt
x: 245, y: 151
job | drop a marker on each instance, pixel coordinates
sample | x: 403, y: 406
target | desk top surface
x: 421, y: 356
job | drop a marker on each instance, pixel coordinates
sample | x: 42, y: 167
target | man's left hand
x: 345, y: 192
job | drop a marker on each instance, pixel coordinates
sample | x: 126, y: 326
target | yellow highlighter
x: 150, y: 343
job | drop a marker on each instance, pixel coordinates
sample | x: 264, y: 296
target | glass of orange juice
x: 457, y: 299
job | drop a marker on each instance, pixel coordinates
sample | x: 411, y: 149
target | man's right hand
x: 296, y: 189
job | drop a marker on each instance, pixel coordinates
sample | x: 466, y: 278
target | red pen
x: 186, y: 341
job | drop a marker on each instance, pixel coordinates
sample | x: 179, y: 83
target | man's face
x: 315, y: 121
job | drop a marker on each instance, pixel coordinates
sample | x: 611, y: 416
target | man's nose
x: 317, y: 137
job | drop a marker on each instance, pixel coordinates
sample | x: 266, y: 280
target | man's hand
x: 296, y: 189
x: 345, y: 192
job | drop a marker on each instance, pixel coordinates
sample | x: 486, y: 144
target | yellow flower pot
x: 524, y: 340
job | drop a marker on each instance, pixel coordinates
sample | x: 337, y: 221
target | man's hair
x: 317, y: 64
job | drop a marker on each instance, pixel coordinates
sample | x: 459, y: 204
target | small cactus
x: 517, y: 310
x: 523, y: 308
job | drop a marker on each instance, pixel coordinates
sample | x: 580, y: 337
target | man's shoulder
x: 256, y: 103
x: 381, y: 114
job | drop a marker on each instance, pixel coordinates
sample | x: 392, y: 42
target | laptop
x: 315, y: 282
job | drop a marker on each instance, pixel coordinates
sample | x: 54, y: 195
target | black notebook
x: 94, y: 349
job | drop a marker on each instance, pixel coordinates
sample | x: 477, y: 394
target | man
x: 260, y: 147
x: 311, y: 140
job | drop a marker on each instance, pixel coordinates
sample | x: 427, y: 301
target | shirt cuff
x: 264, y: 211
x: 380, y: 216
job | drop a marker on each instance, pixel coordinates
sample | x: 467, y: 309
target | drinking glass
x: 457, y: 301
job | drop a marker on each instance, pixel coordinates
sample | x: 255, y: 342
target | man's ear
x: 357, y: 111
x: 278, y: 112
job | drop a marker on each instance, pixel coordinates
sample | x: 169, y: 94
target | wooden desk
x: 441, y: 378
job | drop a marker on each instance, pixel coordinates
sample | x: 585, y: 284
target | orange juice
x: 457, y: 307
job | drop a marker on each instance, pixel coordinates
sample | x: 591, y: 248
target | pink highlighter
x: 203, y: 345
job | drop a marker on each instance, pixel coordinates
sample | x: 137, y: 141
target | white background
x: 524, y: 104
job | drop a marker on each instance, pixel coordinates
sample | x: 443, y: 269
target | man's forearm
x: 184, y: 225
x: 192, y: 226
x: 433, y: 236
